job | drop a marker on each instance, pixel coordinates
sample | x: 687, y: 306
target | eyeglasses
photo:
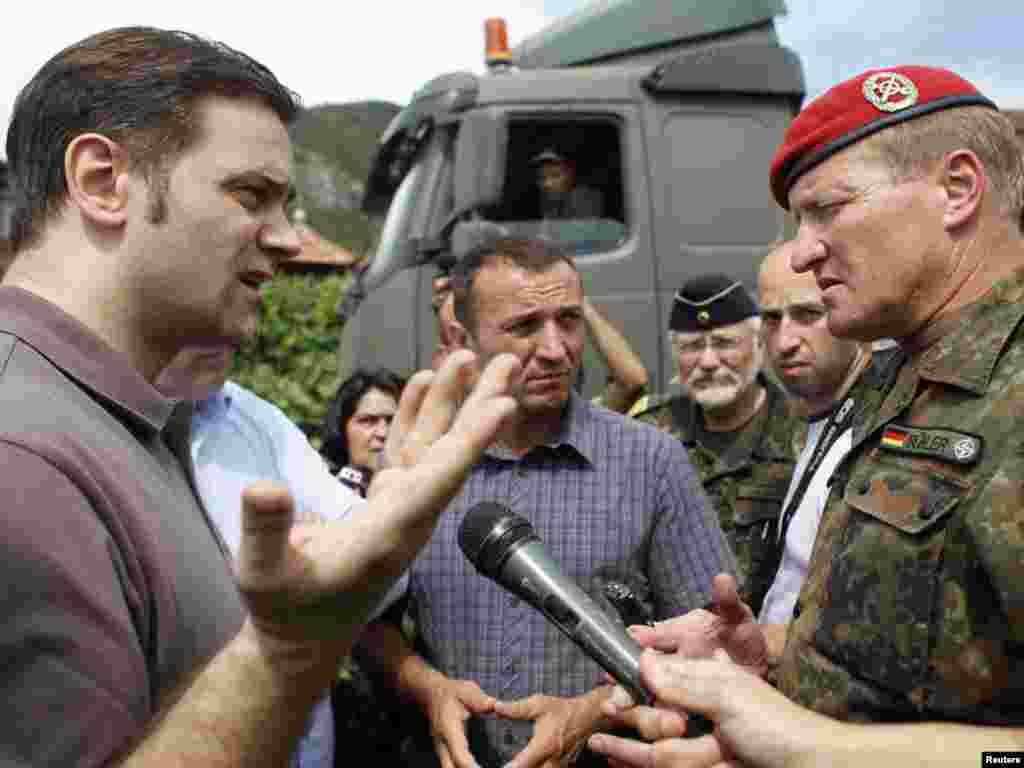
x: 695, y: 345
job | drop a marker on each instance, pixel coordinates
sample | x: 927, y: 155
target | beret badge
x: 859, y: 107
x: 890, y: 91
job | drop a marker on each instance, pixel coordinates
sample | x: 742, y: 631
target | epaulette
x: 649, y: 403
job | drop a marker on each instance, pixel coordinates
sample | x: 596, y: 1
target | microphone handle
x: 535, y: 578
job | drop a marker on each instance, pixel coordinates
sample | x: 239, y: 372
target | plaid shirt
x: 611, y: 499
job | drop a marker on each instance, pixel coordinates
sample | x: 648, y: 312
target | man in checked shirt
x: 614, y: 501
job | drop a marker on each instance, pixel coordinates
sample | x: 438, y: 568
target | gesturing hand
x: 560, y: 727
x: 754, y: 723
x: 312, y: 588
x: 729, y: 626
x: 449, y: 706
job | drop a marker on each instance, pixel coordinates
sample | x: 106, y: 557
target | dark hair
x: 529, y: 254
x: 344, y: 404
x: 139, y: 87
x: 6, y: 202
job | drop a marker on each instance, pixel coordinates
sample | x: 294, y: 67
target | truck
x: 672, y: 110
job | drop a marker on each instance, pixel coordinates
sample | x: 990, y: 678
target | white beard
x: 725, y: 389
x: 718, y: 395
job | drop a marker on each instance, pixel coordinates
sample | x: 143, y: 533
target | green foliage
x: 292, y: 359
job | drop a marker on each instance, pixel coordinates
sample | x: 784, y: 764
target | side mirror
x: 480, y: 155
x: 391, y: 160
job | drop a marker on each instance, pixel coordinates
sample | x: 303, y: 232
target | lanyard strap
x: 833, y: 429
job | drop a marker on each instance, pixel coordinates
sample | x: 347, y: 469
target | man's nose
x: 807, y: 249
x: 787, y: 339
x: 708, y: 358
x: 551, y: 343
x: 278, y: 236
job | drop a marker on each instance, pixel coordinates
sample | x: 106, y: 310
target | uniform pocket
x: 881, y: 596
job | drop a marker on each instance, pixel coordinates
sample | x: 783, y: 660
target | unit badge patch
x: 945, y: 444
x: 890, y: 91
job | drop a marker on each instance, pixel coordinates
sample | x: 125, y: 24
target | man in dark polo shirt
x: 155, y: 168
x: 6, y: 212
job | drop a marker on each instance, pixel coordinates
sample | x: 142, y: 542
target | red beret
x: 859, y: 107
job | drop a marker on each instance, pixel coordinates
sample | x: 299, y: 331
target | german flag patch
x: 936, y: 443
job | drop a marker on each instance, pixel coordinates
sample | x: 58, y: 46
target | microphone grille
x: 484, y: 534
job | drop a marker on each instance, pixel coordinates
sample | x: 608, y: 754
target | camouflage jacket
x: 913, y: 607
x: 746, y: 483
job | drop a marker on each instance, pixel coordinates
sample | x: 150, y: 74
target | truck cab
x: 669, y: 113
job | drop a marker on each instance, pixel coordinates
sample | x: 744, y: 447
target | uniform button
x: 520, y: 472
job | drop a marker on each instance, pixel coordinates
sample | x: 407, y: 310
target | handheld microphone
x: 504, y: 547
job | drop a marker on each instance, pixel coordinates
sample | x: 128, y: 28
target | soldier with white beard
x: 738, y: 427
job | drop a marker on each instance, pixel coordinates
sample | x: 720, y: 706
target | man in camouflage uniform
x: 908, y: 187
x: 826, y: 376
x: 736, y: 424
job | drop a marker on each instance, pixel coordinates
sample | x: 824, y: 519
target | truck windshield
x: 564, y: 182
x: 395, y: 244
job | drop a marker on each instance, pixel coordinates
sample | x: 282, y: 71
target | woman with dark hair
x: 357, y: 422
x: 354, y: 431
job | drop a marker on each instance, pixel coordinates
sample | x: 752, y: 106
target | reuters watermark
x: 1002, y: 758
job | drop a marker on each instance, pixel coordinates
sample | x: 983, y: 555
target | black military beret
x: 710, y: 301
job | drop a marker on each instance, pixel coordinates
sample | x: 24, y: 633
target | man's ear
x: 96, y: 173
x: 965, y: 183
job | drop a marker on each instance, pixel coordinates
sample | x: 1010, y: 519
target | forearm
x: 247, y: 707
x: 628, y: 375
x: 402, y: 668
x: 849, y: 745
